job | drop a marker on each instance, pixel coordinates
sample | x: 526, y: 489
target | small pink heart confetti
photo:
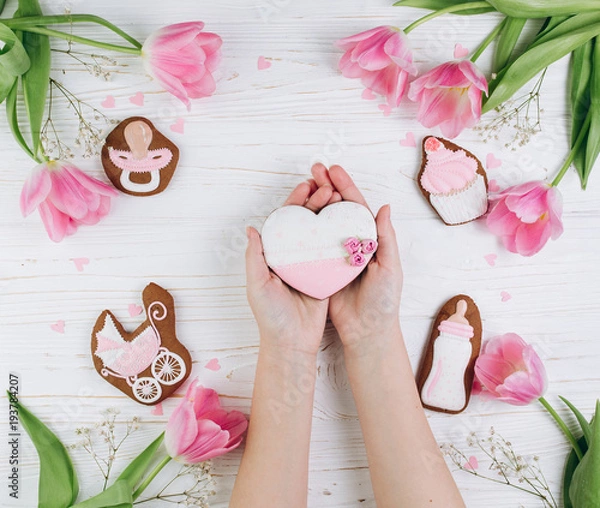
x: 213, y: 365
x: 472, y: 464
x: 491, y: 162
x: 368, y: 94
x: 109, y: 102
x: 137, y: 99
x: 134, y: 310
x: 178, y: 126
x: 409, y: 140
x: 157, y: 410
x: 263, y: 63
x: 493, y: 186
x: 505, y: 296
x: 59, y: 326
x: 386, y: 108
x: 80, y: 263
x: 491, y: 259
x: 460, y: 51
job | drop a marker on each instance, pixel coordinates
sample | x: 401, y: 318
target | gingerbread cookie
x: 138, y: 159
x: 453, y: 181
x: 319, y: 254
x: 148, y: 364
x: 446, y: 374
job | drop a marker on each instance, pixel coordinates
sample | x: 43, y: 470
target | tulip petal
x: 350, y: 42
x: 57, y: 224
x: 210, y: 437
x: 182, y: 429
x: 35, y: 190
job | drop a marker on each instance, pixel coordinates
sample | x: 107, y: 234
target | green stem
x: 488, y: 40
x: 68, y: 19
x: 563, y: 426
x: 80, y: 40
x: 574, y: 150
x: 452, y: 8
x: 150, y: 477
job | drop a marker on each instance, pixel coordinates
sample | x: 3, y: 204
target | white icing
x: 152, y: 185
x: 445, y: 385
x: 462, y: 206
x: 294, y: 234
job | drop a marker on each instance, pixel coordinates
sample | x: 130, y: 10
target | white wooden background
x: 242, y: 151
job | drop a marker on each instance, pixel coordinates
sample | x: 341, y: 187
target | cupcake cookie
x: 453, y: 180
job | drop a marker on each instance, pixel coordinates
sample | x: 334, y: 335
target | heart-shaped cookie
x: 319, y: 254
x: 148, y: 364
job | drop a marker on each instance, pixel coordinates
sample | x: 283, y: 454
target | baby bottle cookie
x: 446, y: 375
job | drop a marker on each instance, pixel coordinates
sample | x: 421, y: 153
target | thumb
x: 387, y: 251
x: 257, y: 271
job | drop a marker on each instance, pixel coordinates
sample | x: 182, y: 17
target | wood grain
x: 242, y: 151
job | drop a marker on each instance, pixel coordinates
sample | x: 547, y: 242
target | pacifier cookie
x: 138, y: 159
x: 453, y: 181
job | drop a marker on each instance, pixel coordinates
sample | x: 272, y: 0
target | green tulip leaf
x: 118, y: 495
x: 579, y: 76
x: 58, y: 486
x: 593, y: 137
x: 436, y: 5
x: 534, y: 60
x: 507, y: 40
x: 133, y: 472
x: 584, y: 490
x: 567, y: 26
x: 2, y: 4
x: 550, y: 23
x: 11, y: 115
x: 13, y: 57
x: 585, y: 426
x: 543, y: 8
x: 570, y: 466
x: 36, y: 79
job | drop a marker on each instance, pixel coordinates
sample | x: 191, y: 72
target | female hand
x: 367, y: 308
x: 287, y: 320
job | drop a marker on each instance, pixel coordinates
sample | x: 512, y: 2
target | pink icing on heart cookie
x: 319, y: 254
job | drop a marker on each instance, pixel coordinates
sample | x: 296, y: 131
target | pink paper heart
x: 213, y: 365
x: 505, y: 296
x: 409, y: 140
x: 491, y: 259
x: 263, y: 63
x: 157, y: 410
x: 368, y: 94
x: 460, y: 51
x: 80, y: 263
x: 386, y: 108
x: 109, y: 102
x: 137, y: 99
x: 491, y: 162
x: 59, y: 326
x: 178, y: 126
x: 472, y: 464
x: 493, y: 186
x: 134, y: 310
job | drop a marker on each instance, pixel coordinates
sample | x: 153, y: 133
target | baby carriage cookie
x: 148, y: 364
x: 319, y: 254
x: 138, y: 159
x: 453, y: 181
x: 446, y: 375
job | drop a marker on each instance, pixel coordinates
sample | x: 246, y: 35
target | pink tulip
x: 65, y: 197
x: 182, y: 58
x: 526, y: 216
x: 382, y: 59
x: 510, y: 370
x: 199, y: 429
x: 449, y: 96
